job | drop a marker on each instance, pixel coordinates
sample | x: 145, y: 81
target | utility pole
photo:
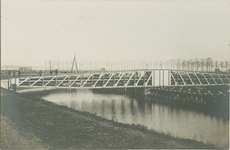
x: 74, y: 61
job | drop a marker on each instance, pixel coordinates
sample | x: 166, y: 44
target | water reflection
x: 201, y: 123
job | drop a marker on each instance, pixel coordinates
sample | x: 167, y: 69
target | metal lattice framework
x: 128, y: 79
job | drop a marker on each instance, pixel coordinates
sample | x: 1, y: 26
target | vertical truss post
x: 153, y: 78
x: 29, y: 81
x: 144, y: 79
x: 134, y: 79
x: 56, y: 81
x: 159, y: 77
x: 177, y: 77
x: 169, y: 78
x: 92, y: 80
x: 68, y: 81
x: 42, y: 81
x: 103, y: 79
x: 80, y: 80
x: 124, y: 80
x: 114, y: 79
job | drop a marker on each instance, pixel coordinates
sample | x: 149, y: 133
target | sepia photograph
x: 115, y: 74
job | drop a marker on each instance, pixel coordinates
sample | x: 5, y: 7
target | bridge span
x: 126, y: 79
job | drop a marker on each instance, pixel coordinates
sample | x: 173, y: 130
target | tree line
x: 206, y: 64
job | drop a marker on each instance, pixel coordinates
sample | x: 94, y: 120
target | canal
x: 206, y: 123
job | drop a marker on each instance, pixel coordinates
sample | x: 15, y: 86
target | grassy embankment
x: 48, y: 125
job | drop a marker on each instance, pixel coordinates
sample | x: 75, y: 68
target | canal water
x: 209, y: 124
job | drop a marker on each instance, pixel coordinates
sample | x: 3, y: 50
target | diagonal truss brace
x: 49, y: 81
x: 86, y: 80
x: 138, y: 80
x: 75, y: 80
x: 190, y: 78
x: 174, y: 79
x: 213, y: 78
x: 110, y: 76
x: 220, y: 79
x: 122, y: 74
x: 197, y: 78
x: 205, y: 78
x: 36, y: 81
x: 62, y: 81
x: 132, y: 73
x: 182, y: 78
x: 97, y: 80
x: 145, y: 84
x: 23, y: 81
x: 226, y: 78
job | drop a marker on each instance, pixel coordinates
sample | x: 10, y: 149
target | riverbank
x: 60, y: 127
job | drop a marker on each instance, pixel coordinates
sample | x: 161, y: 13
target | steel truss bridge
x: 127, y: 79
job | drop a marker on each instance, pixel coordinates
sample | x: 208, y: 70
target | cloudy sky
x: 35, y: 31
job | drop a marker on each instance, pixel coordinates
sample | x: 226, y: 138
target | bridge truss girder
x: 125, y: 79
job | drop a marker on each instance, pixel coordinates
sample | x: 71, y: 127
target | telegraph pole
x: 74, y: 61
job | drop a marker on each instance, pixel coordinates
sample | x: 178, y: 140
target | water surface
x: 202, y: 123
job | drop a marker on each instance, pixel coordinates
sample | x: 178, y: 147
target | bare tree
x: 178, y: 63
x: 221, y: 65
x: 208, y: 64
x: 183, y: 64
x: 197, y: 64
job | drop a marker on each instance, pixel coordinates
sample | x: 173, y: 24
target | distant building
x: 25, y: 69
x: 217, y: 70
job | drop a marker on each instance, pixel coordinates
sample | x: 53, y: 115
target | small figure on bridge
x: 40, y: 73
x: 9, y: 73
x: 50, y: 72
x: 19, y: 73
x: 56, y: 71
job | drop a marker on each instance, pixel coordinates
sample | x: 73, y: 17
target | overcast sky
x: 35, y: 31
